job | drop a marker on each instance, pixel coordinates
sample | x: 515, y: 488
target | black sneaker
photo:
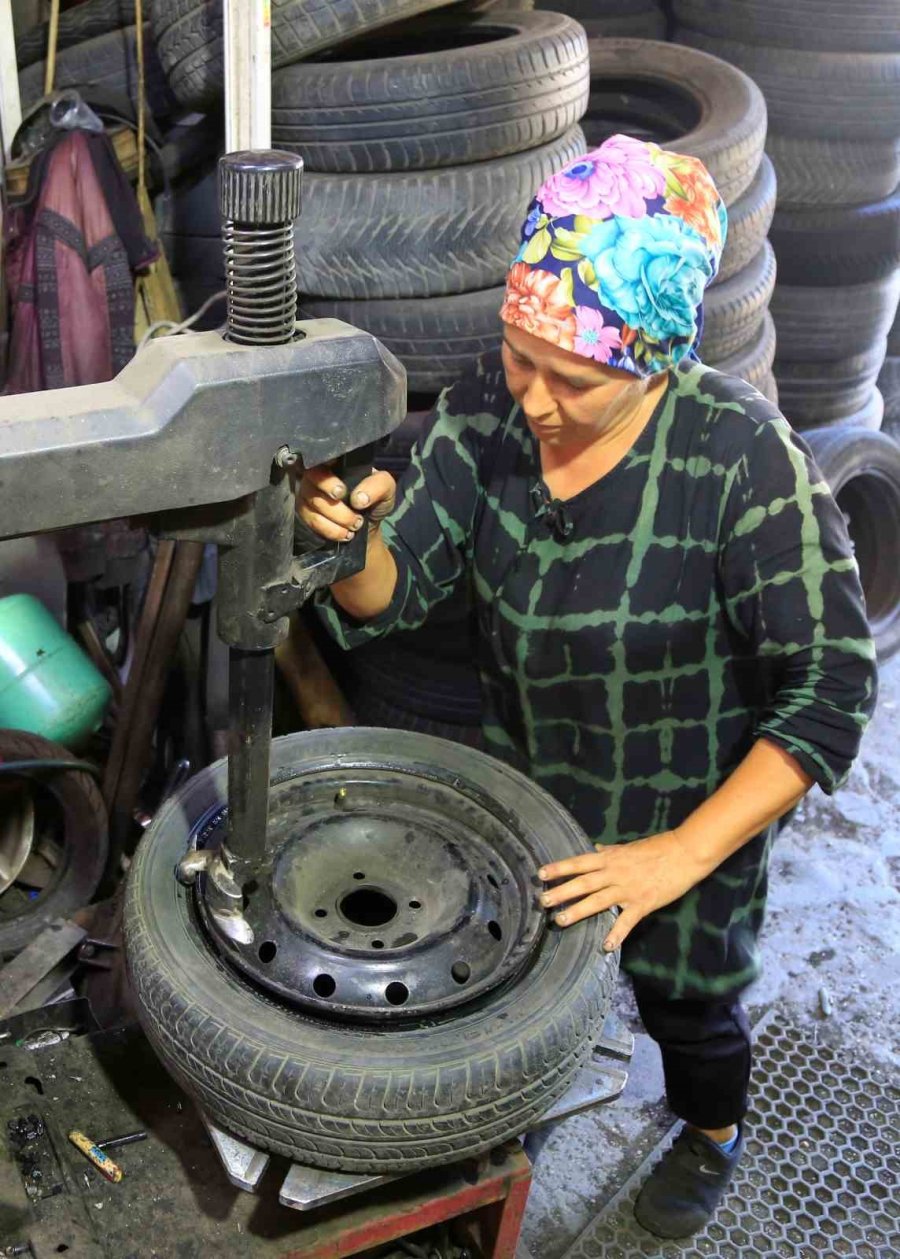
x: 686, y: 1185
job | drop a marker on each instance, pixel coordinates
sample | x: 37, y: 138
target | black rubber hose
x: 32, y: 767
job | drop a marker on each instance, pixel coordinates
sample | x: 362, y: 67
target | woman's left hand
x: 640, y: 876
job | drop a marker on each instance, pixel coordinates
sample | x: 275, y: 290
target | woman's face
x: 566, y: 398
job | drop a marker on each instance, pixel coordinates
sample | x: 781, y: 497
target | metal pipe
x: 250, y: 693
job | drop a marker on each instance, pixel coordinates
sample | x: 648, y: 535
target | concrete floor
x: 831, y: 943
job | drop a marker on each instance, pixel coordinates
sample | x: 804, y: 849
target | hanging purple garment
x: 73, y: 246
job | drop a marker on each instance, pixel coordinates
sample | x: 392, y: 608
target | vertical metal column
x: 259, y: 197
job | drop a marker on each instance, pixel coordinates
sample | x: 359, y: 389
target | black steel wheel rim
x: 391, y: 890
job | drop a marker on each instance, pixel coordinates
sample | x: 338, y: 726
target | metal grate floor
x: 820, y: 1175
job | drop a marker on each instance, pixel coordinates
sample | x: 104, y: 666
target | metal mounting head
x: 260, y: 187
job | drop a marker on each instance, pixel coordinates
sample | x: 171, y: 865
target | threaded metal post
x: 259, y: 198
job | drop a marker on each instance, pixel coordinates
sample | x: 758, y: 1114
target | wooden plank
x: 10, y: 104
x: 248, y: 74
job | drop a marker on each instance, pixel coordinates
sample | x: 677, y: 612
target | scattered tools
x: 114, y: 1143
x: 91, y: 1151
x: 95, y: 1151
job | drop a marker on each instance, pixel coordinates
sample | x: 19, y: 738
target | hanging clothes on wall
x: 74, y: 245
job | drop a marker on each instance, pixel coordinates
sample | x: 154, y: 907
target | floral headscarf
x: 616, y: 251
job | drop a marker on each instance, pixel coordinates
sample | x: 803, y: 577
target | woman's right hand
x: 322, y: 502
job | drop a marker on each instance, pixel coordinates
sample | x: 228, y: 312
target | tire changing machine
x: 200, y: 433
x: 217, y: 423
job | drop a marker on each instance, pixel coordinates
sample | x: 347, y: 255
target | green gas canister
x: 48, y: 685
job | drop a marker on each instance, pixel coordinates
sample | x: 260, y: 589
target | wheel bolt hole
x: 378, y: 944
x: 495, y: 929
x: 367, y: 907
x: 460, y: 972
x: 324, y: 986
x: 359, y: 875
x: 321, y: 913
x: 397, y: 993
x: 415, y: 904
x: 267, y: 950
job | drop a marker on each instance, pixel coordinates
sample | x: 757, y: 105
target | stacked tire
x: 423, y: 165
x: 611, y: 19
x: 699, y: 105
x: 419, y: 167
x: 830, y: 73
x: 889, y: 382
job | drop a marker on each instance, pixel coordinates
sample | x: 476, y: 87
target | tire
x: 409, y: 677
x: 769, y: 389
x: 607, y: 10
x: 827, y: 25
x: 753, y: 362
x: 410, y: 234
x: 818, y: 393
x: 336, y: 1094
x: 837, y: 244
x: 893, y: 341
x: 733, y: 311
x: 821, y: 172
x: 189, y: 36
x: 649, y: 24
x: 863, y: 471
x: 889, y: 387
x: 420, y: 234
x: 480, y: 89
x: 78, y: 814
x: 842, y: 95
x: 869, y: 416
x: 508, y: 6
x: 375, y: 710
x: 748, y: 222
x: 85, y: 21
x: 819, y: 325
x: 685, y: 100
x: 108, y: 64
x: 435, y: 338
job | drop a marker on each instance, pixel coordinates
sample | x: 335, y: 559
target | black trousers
x: 705, y: 1048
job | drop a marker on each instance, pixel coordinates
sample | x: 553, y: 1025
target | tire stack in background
x: 419, y: 167
x: 889, y: 382
x: 96, y: 50
x: 701, y: 106
x: 830, y: 73
x: 424, y: 166
x: 611, y: 19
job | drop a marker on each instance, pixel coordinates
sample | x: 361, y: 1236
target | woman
x: 672, y: 631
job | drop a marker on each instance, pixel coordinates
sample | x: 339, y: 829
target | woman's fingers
x: 598, y: 903
x: 327, y: 528
x: 325, y: 479
x: 582, y: 885
x: 338, y: 513
x: 376, y: 494
x: 626, y: 921
x: 322, y: 502
x: 572, y: 865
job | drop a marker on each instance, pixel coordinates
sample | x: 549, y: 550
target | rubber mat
x: 820, y: 1174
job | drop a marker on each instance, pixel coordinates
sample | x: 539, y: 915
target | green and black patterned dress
x: 637, y: 638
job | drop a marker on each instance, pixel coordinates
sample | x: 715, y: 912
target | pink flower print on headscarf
x: 617, y: 179
x: 593, y: 338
